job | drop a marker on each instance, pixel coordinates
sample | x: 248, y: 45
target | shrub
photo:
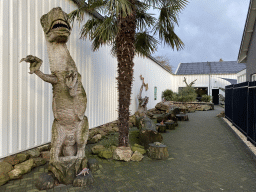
x: 167, y: 95
x: 175, y: 97
x: 206, y: 98
x: 187, y: 94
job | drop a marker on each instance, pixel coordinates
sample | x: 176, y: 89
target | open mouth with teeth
x: 60, y: 25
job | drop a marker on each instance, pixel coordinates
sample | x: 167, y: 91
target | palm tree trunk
x: 125, y: 53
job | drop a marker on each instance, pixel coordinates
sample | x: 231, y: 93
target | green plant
x: 187, y: 94
x: 206, y: 98
x: 168, y: 95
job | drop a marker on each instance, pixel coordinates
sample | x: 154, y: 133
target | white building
x: 211, y: 76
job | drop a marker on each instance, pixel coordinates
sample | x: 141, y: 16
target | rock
x: 33, y: 152
x: 107, y: 129
x: 147, y: 137
x: 139, y: 148
x: 93, y: 165
x: 221, y: 114
x: 46, y: 155
x: 13, y: 160
x: 106, y: 154
x: 44, y: 181
x: 150, y: 114
x: 115, y: 129
x: 162, y: 106
x: 22, y: 157
x: 205, y: 107
x: 191, y: 109
x: 5, y: 167
x: 112, y: 148
x: 95, y: 139
x: 183, y: 109
x: 21, y: 169
x: 39, y: 161
x: 97, y: 148
x: 145, y: 123
x: 122, y: 154
x: 44, y: 147
x: 83, y: 180
x: 137, y: 156
x: 157, y: 151
x: 4, y: 178
x: 163, y: 117
x: 161, y: 128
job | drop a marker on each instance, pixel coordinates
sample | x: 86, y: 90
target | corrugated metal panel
x: 26, y: 101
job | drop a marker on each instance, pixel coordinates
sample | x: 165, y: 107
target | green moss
x: 106, y: 154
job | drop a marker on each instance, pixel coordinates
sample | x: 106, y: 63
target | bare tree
x: 190, y: 84
x: 165, y: 62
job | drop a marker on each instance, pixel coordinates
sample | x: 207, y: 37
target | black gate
x: 240, y: 108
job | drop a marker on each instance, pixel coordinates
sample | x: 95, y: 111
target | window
x: 155, y: 93
x: 253, y: 77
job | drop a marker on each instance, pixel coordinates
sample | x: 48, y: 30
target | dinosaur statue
x: 70, y: 128
x: 142, y: 101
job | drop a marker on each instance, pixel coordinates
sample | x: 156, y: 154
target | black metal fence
x: 240, y: 108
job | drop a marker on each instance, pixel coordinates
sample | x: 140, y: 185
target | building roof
x: 247, y: 34
x: 232, y: 81
x: 224, y: 67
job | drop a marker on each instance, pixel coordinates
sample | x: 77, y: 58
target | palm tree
x: 130, y: 29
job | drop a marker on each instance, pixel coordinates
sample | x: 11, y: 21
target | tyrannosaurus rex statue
x: 70, y: 127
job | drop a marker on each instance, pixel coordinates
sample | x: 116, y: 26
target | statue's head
x: 56, y: 25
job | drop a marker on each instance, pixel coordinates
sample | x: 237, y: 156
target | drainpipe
x: 208, y: 63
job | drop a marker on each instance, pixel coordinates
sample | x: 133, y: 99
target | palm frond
x: 116, y: 7
x: 144, y: 19
x: 100, y: 31
x: 169, y: 37
x: 145, y: 44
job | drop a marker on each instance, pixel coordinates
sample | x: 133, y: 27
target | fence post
x: 247, y: 112
x: 232, y: 105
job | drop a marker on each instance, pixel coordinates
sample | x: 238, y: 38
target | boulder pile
x: 134, y: 153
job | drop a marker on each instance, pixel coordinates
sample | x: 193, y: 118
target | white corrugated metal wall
x: 26, y: 101
x: 241, y: 76
x: 155, y: 76
x: 203, y: 81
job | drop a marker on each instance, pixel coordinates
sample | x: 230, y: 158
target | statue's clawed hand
x: 71, y: 79
x: 35, y: 63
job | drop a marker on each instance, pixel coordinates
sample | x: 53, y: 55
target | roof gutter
x: 247, y: 34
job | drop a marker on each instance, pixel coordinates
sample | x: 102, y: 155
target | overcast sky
x: 210, y: 30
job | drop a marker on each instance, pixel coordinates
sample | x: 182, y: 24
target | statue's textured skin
x: 70, y: 127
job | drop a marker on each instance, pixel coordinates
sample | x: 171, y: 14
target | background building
x: 211, y: 76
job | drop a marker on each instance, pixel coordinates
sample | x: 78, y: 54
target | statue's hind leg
x: 82, y: 134
x: 58, y: 136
